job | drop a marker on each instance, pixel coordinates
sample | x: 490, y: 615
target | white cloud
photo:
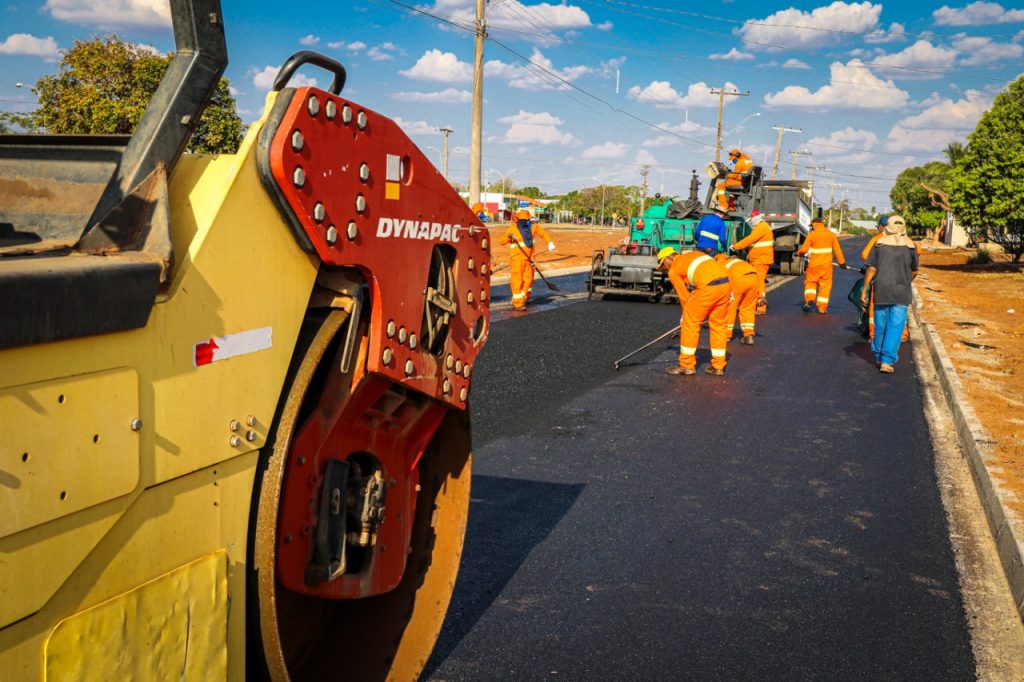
x: 356, y: 46
x: 435, y: 65
x: 851, y: 145
x: 795, y: 29
x: 975, y: 14
x: 512, y: 14
x: 378, y: 55
x: 416, y: 127
x: 943, y: 122
x: 526, y: 77
x: 264, y: 80
x: 661, y: 94
x: 337, y: 44
x: 733, y: 55
x: 851, y: 86
x: 794, y: 64
x: 309, y: 40
x: 605, y: 26
x: 645, y: 157
x: 23, y: 43
x: 920, y: 61
x: 535, y: 128
x: 447, y: 96
x: 980, y: 50
x: 111, y: 13
x: 608, y: 150
x: 895, y: 34
x: 608, y: 68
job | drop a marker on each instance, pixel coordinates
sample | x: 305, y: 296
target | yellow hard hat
x: 523, y: 214
x: 665, y: 253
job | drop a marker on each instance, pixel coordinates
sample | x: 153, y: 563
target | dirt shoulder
x: 573, y: 246
x: 978, y: 311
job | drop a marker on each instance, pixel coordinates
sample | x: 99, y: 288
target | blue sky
x: 582, y: 93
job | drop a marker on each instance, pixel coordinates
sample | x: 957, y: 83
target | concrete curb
x: 504, y: 278
x: 1006, y: 526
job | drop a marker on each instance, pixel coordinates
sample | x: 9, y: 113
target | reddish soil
x: 573, y: 246
x: 978, y: 311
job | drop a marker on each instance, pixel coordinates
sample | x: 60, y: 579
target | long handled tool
x: 534, y: 265
x: 666, y: 335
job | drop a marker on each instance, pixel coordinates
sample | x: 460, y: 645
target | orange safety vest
x: 761, y: 242
x: 513, y: 238
x: 737, y: 269
x: 743, y: 165
x: 697, y: 269
x: 821, y: 244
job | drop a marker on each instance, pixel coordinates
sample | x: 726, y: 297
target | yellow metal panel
x: 165, y: 528
x: 174, y: 627
x: 68, y: 444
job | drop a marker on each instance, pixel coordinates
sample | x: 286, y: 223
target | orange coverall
x: 732, y: 179
x: 761, y: 242
x: 521, y: 270
x: 709, y: 301
x: 871, y: 303
x: 821, y: 244
x: 743, y: 280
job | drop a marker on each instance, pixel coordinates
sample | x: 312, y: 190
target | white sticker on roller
x: 224, y: 347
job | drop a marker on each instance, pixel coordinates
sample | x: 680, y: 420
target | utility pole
x: 722, y: 92
x: 810, y: 184
x: 644, y: 170
x: 793, y: 154
x: 477, y: 127
x: 444, y: 159
x: 842, y: 206
x: 778, y: 146
x: 831, y: 200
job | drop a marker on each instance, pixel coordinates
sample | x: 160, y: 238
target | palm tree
x: 954, y: 151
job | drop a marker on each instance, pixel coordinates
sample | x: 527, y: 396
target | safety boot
x: 822, y: 312
x: 885, y: 368
x: 807, y: 306
x: 676, y: 370
x: 748, y: 341
x: 715, y: 371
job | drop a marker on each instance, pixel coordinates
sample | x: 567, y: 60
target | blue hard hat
x: 883, y: 221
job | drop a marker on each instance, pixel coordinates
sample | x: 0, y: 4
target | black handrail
x: 317, y: 59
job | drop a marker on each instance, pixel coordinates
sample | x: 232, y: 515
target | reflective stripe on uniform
x: 828, y: 250
x: 812, y: 292
x: 709, y: 235
x: 759, y: 245
x: 718, y: 352
x: 822, y: 300
x: 686, y: 350
x: 518, y: 296
x: 693, y: 266
x: 746, y: 325
x: 731, y: 262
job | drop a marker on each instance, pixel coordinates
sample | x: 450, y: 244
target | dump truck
x: 786, y: 205
x: 234, y: 389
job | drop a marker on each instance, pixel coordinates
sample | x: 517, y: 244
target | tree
x: 532, y: 192
x: 954, y: 151
x: 911, y: 200
x: 103, y: 86
x: 986, y: 185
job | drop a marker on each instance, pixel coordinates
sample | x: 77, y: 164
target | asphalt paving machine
x: 233, y: 389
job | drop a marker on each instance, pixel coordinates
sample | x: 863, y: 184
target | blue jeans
x: 889, y: 323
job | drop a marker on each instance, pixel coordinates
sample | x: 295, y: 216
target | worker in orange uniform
x: 520, y: 239
x: 882, y: 222
x: 761, y: 254
x: 709, y: 301
x: 740, y: 163
x: 821, y: 244
x: 743, y: 281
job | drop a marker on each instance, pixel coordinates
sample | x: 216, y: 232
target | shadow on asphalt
x: 506, y: 521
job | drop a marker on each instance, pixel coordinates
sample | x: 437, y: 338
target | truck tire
x: 784, y: 267
x: 796, y: 267
x: 596, y: 267
x: 389, y: 636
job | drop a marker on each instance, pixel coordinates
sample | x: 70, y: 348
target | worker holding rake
x: 520, y: 239
x: 709, y: 301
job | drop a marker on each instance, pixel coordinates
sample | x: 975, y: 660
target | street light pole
x: 778, y: 146
x: 602, y: 204
x: 477, y: 125
x: 444, y: 158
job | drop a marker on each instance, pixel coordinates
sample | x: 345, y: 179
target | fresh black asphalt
x: 778, y: 523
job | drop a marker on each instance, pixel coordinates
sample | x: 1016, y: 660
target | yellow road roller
x: 234, y: 435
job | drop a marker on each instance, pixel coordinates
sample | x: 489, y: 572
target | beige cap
x: 897, y: 221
